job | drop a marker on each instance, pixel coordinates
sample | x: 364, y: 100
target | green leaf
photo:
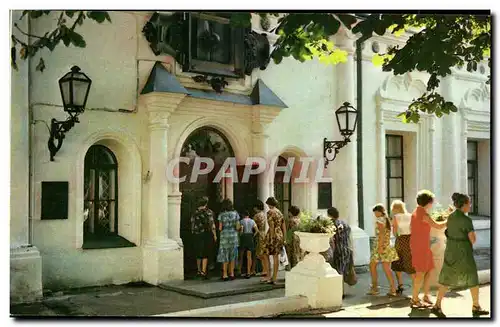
x: 277, y: 57
x: 70, y: 13
x: 36, y: 13
x: 25, y: 12
x: 77, y: 40
x: 402, y: 116
x: 41, y: 65
x: 99, y: 16
x: 241, y: 19
x: 13, y: 53
x: 378, y: 60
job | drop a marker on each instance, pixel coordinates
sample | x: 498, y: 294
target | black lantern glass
x: 75, y: 87
x: 347, y: 118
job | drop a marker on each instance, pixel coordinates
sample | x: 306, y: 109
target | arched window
x: 100, y: 194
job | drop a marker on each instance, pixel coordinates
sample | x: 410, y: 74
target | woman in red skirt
x: 420, y: 244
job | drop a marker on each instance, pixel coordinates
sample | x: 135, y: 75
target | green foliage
x: 308, y: 224
x: 241, y: 19
x: 440, y: 215
x: 67, y: 22
x: 436, y: 44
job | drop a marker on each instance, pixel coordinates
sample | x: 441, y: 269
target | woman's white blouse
x: 404, y: 220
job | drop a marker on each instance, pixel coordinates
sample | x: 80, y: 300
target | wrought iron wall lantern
x: 347, y: 118
x: 74, y: 87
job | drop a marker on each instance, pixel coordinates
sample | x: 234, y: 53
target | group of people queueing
x: 412, y: 251
x: 262, y: 236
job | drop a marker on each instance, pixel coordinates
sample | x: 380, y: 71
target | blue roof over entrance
x: 160, y: 80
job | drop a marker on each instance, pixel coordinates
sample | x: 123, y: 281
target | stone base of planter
x: 317, y: 280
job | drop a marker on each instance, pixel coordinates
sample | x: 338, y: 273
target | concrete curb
x: 251, y: 309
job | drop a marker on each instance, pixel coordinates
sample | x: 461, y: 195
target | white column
x: 427, y: 155
x: 157, y: 230
x: 382, y: 181
x: 463, y: 155
x: 25, y: 260
x: 174, y: 214
x: 260, y: 149
x: 163, y: 259
x: 451, y: 148
x: 433, y: 153
x: 345, y: 176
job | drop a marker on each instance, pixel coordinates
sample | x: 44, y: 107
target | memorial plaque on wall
x: 54, y: 200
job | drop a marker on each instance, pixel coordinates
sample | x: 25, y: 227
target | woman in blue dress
x: 229, y: 225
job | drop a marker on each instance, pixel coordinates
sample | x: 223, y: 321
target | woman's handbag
x: 283, y: 258
x: 350, y: 278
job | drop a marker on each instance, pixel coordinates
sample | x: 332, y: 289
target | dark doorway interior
x: 282, y: 188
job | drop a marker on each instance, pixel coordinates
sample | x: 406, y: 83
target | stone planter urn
x: 313, y: 277
x: 438, y: 245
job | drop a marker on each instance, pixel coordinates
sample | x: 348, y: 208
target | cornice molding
x: 162, y: 101
x: 394, y: 88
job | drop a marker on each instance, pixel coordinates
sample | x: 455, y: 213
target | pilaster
x: 345, y: 172
x: 163, y: 259
x: 450, y: 178
x: 261, y: 118
x: 25, y: 259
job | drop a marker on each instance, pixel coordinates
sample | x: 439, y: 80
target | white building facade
x: 145, y: 110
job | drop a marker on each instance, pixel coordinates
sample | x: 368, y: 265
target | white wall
x: 19, y: 152
x: 118, y: 60
x: 110, y: 61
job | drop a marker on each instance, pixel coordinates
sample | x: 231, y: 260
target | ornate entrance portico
x: 204, y: 143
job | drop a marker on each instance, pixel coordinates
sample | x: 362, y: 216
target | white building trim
x: 127, y: 152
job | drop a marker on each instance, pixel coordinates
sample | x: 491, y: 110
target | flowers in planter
x: 439, y: 214
x: 316, y: 225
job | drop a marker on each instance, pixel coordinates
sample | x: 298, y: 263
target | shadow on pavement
x: 419, y: 313
x: 397, y: 304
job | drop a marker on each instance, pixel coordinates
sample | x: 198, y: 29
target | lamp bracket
x: 333, y: 146
x: 58, y: 129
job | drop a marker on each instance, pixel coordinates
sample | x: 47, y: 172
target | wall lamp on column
x: 347, y: 118
x: 74, y: 87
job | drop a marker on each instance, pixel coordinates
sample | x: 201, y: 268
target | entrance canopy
x: 160, y: 80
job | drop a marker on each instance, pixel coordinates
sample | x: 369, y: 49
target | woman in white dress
x: 401, y: 229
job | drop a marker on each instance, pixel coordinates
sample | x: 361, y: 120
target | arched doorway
x: 204, y: 142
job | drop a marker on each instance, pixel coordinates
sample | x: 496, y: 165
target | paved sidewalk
x: 147, y: 300
x: 455, y: 305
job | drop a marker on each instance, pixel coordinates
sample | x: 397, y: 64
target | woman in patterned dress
x: 340, y: 254
x: 229, y: 224
x: 276, y: 236
x: 459, y: 267
x: 292, y: 244
x: 261, y: 249
x: 401, y: 229
x: 382, y: 251
x: 420, y: 245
